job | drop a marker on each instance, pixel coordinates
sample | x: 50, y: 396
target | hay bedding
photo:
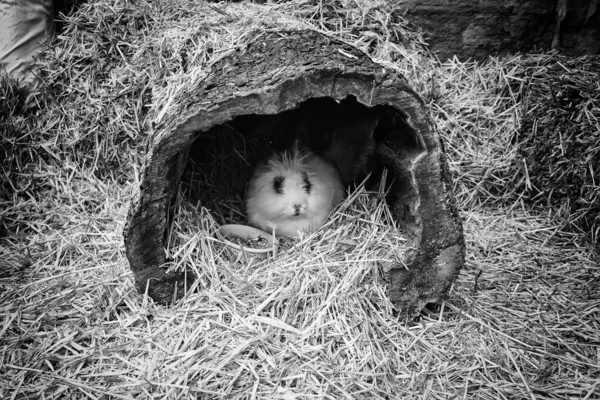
x: 520, y: 322
x: 314, y: 314
x: 562, y: 123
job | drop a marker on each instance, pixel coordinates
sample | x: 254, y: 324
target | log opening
x: 221, y: 159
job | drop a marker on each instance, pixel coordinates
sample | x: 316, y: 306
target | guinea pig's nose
x: 297, y: 208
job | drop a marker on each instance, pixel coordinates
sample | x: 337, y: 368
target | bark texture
x: 476, y: 29
x: 276, y: 73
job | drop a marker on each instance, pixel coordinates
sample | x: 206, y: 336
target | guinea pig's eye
x: 306, y: 183
x: 278, y: 184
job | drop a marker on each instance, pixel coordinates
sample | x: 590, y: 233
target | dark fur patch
x: 306, y: 182
x: 278, y: 184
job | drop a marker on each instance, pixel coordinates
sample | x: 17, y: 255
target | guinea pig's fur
x: 294, y: 191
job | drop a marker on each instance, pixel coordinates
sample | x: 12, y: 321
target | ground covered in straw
x: 521, y: 320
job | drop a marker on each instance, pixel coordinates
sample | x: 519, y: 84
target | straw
x: 314, y: 321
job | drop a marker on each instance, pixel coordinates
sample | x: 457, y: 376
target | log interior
x: 221, y: 159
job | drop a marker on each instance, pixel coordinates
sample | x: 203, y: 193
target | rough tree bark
x: 275, y: 73
x: 477, y: 29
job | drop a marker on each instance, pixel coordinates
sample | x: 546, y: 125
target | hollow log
x: 277, y: 75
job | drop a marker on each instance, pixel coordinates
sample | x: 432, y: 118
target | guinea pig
x: 293, y: 192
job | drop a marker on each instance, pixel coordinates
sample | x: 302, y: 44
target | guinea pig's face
x: 291, y: 191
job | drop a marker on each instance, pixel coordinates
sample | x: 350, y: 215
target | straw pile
x: 520, y: 322
x: 561, y: 137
